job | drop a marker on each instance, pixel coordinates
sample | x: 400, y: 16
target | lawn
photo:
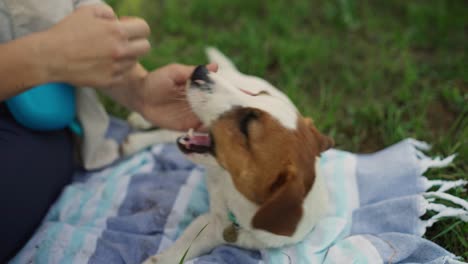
x: 370, y: 73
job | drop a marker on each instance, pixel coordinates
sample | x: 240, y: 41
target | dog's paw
x: 130, y: 145
x: 160, y: 259
x: 138, y: 122
x: 151, y: 260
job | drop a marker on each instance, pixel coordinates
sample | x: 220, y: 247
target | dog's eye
x: 245, y: 121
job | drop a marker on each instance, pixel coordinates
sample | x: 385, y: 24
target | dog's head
x: 259, y: 137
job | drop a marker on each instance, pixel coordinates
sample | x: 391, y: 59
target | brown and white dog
x: 260, y: 157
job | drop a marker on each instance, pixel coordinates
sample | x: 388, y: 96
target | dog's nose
x: 200, y: 74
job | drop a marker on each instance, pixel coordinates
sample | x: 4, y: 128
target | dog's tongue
x: 199, y: 139
x: 195, y: 142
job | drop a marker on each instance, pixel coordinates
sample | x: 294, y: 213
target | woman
x: 88, y: 46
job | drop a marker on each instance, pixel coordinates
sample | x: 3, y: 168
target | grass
x: 186, y: 251
x: 370, y: 73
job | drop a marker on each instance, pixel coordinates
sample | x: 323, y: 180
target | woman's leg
x: 34, y: 168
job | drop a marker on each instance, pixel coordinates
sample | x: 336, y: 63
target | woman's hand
x: 91, y: 47
x: 164, y: 101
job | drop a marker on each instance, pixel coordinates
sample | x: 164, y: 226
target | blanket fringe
x: 445, y: 185
x: 442, y: 211
x: 426, y: 162
x: 429, y: 203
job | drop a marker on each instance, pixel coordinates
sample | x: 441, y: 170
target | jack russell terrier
x: 260, y: 157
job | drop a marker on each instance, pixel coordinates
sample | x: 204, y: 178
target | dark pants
x: 34, y: 168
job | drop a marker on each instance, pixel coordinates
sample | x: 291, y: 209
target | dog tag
x: 230, y: 233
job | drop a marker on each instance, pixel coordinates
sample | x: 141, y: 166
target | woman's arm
x: 90, y: 47
x: 22, y: 65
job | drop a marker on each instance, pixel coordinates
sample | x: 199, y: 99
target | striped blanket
x: 139, y: 206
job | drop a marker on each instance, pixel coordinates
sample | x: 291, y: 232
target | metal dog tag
x: 230, y: 233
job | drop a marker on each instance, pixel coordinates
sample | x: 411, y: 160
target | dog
x: 260, y: 155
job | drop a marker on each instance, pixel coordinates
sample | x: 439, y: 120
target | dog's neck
x: 227, y: 198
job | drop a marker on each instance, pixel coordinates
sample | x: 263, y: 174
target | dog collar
x: 231, y: 232
x: 233, y: 219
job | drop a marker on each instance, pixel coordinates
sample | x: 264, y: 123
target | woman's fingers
x: 133, y: 37
x: 103, y: 11
x: 135, y: 28
x: 138, y: 48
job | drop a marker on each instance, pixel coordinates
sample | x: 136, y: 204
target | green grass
x: 186, y: 251
x: 370, y: 73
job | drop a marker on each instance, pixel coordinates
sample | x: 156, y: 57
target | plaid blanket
x: 139, y: 206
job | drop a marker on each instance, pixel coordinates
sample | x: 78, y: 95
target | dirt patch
x: 440, y: 118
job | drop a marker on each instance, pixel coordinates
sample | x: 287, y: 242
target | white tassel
x: 443, y: 210
x: 420, y: 155
x: 429, y: 204
x: 419, y: 144
x: 445, y: 185
x: 426, y: 162
x: 448, y: 197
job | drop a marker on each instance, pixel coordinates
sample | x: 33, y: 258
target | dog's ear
x: 281, y: 212
x: 324, y: 142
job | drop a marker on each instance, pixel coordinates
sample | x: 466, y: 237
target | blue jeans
x: 34, y: 168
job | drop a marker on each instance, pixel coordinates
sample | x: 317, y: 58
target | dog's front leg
x: 206, y: 241
x: 139, y: 140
